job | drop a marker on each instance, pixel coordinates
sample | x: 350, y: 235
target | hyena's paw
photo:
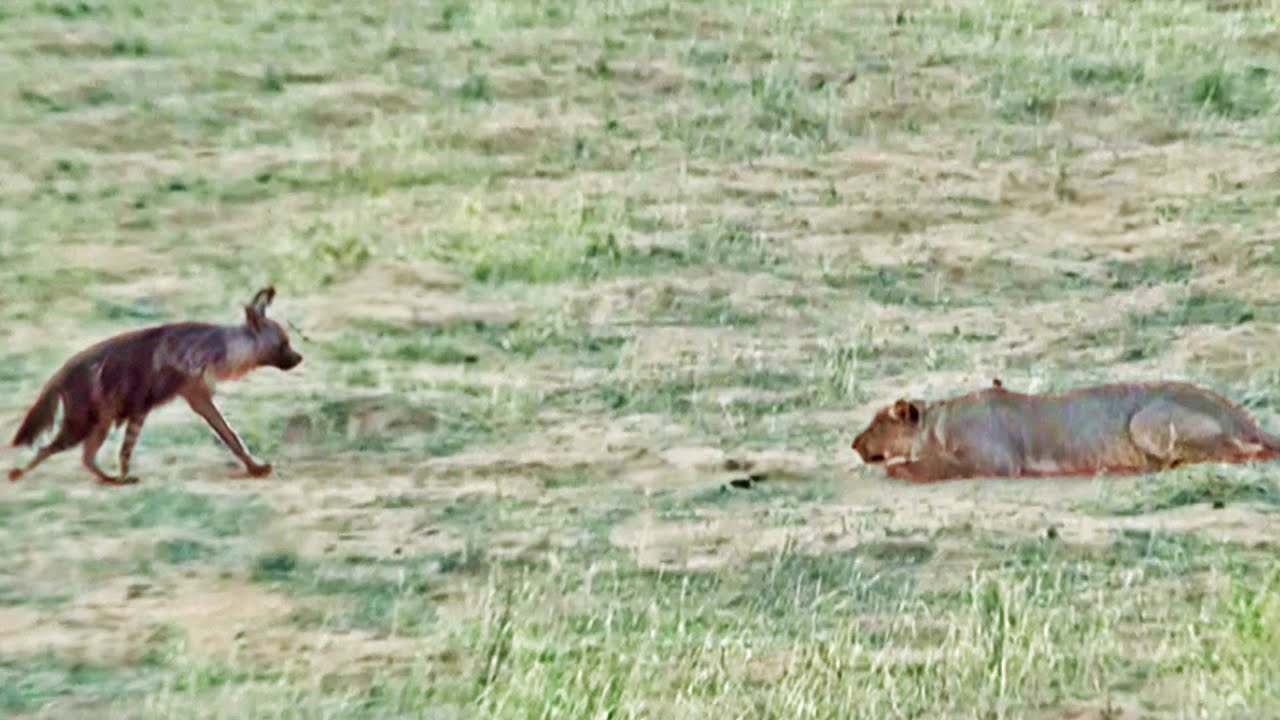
x: 14, y: 474
x: 114, y: 481
x: 256, y: 471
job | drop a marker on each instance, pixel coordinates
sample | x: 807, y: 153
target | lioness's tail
x: 1270, y: 442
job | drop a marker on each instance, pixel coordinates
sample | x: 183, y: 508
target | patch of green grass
x: 1147, y: 271
x: 183, y: 551
x: 49, y: 502
x: 1228, y: 202
x: 476, y: 88
x: 1037, y: 106
x: 40, y: 291
x: 14, y: 594
x: 26, y: 372
x: 331, y: 250
x: 1233, y: 93
x: 847, y: 366
x: 276, y: 565
x: 141, y: 311
x: 586, y: 345
x: 567, y: 478
x: 29, y: 683
x: 790, y: 581
x: 584, y: 237
x: 1110, y: 75
x: 1147, y: 334
x: 438, y: 352
x: 561, y: 239
x: 775, y: 110
x: 220, y: 516
x: 363, y: 377
x: 1154, y: 554
x: 1192, y: 487
x: 1200, y: 309
x: 1161, y: 552
x: 481, y: 342
x: 820, y: 616
x: 202, y: 519
x: 843, y: 368
x: 130, y: 46
x: 414, y: 417
x: 480, y: 513
x: 455, y: 437
x: 685, y: 393
x: 716, y: 308
x: 931, y: 285
x: 796, y: 625
x: 389, y: 595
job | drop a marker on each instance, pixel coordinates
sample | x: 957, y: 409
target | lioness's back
x: 1063, y: 430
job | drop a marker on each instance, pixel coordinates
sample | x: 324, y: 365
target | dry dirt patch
x: 400, y: 294
x: 116, y: 622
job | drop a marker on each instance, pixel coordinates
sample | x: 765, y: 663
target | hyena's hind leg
x: 64, y: 440
x: 92, y: 443
x: 131, y: 431
x: 1178, y: 435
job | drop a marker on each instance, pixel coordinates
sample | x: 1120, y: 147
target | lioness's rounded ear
x: 898, y: 411
x: 907, y: 411
x: 915, y: 411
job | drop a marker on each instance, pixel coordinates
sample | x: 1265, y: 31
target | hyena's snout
x: 288, y: 359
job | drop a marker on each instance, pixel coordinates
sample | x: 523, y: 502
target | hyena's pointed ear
x: 263, y: 299
x: 256, y: 310
x: 252, y: 318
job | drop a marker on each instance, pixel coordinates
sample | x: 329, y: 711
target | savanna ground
x: 593, y: 297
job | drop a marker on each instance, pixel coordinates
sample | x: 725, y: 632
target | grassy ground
x: 593, y: 297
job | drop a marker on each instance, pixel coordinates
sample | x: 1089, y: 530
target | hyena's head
x: 892, y: 433
x: 270, y: 341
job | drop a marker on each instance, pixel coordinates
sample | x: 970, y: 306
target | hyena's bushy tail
x: 41, y: 415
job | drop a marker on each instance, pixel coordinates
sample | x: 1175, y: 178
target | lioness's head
x: 891, y: 434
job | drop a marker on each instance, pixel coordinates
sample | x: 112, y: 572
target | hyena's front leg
x: 200, y: 398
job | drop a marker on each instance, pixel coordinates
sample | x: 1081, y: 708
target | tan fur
x: 1102, y: 429
x: 241, y: 358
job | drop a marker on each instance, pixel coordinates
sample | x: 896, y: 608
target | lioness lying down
x: 1116, y: 428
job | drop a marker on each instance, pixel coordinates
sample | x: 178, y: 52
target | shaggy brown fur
x: 122, y: 379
